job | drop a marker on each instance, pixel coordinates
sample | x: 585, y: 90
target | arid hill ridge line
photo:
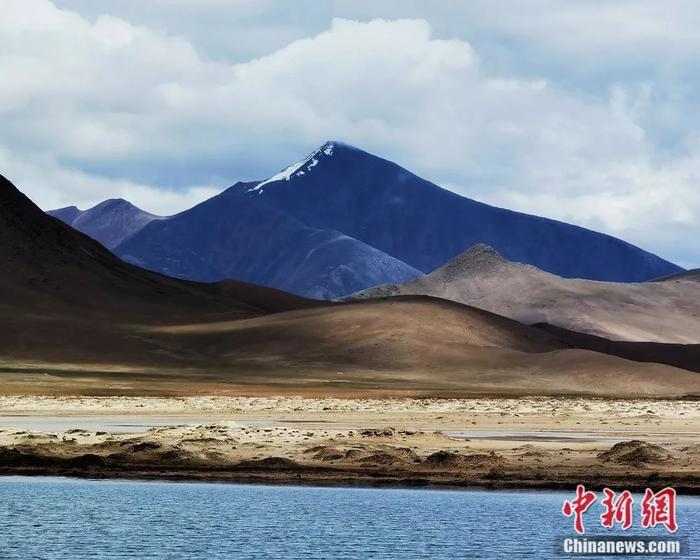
x: 664, y: 311
x: 687, y: 275
x: 52, y: 266
x: 76, y: 320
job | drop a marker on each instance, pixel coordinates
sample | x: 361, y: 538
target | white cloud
x: 56, y: 186
x: 101, y: 107
x: 612, y: 29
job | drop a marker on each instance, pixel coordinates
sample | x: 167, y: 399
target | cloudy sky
x: 583, y: 111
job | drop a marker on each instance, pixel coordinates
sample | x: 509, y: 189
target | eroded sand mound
x: 473, y: 461
x: 636, y: 452
x: 328, y: 453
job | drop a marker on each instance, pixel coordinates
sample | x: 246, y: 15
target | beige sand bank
x: 531, y: 442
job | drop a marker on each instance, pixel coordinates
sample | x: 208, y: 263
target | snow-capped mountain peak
x: 299, y: 168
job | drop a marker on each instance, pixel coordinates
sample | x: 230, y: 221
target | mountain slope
x: 227, y: 237
x: 342, y: 188
x: 54, y: 269
x: 684, y: 356
x: 664, y: 312
x: 110, y: 222
x: 686, y: 275
x: 67, y: 215
x: 74, y: 319
x: 421, y: 346
x: 342, y: 220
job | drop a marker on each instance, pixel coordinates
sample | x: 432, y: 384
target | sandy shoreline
x: 496, y: 443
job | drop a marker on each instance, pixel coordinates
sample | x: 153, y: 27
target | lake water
x: 54, y: 518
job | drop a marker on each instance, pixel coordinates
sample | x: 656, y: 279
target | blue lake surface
x: 56, y: 518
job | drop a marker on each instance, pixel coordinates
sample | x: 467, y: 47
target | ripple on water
x: 59, y: 519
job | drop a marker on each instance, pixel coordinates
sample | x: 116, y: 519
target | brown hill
x: 663, y: 312
x: 687, y: 275
x: 421, y: 346
x: 75, y: 319
x: 685, y: 356
x: 50, y: 268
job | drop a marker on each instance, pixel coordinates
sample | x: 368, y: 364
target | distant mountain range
x: 666, y: 311
x: 110, y: 222
x: 230, y: 236
x: 76, y: 319
x: 56, y: 273
x: 693, y: 275
x: 342, y: 220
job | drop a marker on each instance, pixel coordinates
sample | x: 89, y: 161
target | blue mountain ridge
x: 376, y: 201
x: 342, y: 220
x: 222, y: 238
x: 110, y: 222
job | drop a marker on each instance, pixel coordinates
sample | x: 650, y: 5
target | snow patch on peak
x: 299, y: 168
x: 284, y: 175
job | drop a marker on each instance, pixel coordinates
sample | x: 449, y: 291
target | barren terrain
x: 666, y: 311
x: 522, y: 443
x: 74, y: 319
